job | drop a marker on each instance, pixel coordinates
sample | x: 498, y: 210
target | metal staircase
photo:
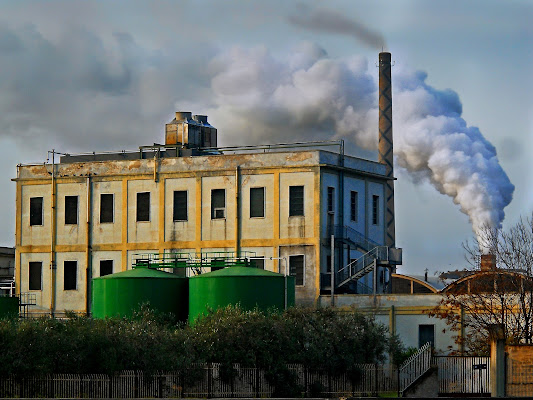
x: 379, y: 255
x: 349, y: 235
x: 374, y: 255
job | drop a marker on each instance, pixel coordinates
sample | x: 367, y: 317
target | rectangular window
x: 257, y: 202
x: 297, y: 269
x: 70, y: 272
x: 218, y: 203
x: 258, y: 263
x: 354, y: 205
x: 296, y: 201
x: 180, y: 205
x: 36, y: 211
x: 106, y: 208
x: 143, y: 206
x: 106, y: 267
x: 375, y: 210
x: 71, y: 210
x: 331, y: 200
x: 35, y: 275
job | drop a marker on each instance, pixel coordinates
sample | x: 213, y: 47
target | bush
x: 325, y: 339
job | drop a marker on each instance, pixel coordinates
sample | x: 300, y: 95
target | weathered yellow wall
x: 107, y: 232
x: 40, y: 234
x: 179, y: 231
x: 71, y: 234
x: 275, y: 235
x: 146, y: 231
x: 258, y: 228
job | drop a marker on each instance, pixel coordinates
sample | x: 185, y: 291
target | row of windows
x: 180, y: 209
x: 354, y: 205
x: 70, y: 271
x: 218, y: 205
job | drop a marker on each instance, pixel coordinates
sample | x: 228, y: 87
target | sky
x: 83, y: 76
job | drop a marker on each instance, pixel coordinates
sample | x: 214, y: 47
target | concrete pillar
x: 497, y: 360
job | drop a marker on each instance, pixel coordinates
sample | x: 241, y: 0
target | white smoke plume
x: 308, y: 96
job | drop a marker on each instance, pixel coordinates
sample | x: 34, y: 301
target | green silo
x: 249, y: 287
x: 9, y: 307
x: 121, y: 293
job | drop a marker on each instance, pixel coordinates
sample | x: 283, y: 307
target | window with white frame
x: 218, y: 204
x: 297, y: 268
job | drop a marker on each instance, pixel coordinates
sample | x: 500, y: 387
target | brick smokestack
x: 385, y: 143
x: 487, y: 262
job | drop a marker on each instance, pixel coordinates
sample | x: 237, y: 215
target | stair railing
x: 356, y: 237
x: 414, y: 367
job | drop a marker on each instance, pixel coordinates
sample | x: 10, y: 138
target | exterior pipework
x: 53, y: 240
x: 88, y: 258
x: 386, y: 143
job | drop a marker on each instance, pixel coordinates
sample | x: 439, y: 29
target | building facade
x: 90, y: 215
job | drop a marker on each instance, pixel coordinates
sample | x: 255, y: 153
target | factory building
x: 89, y: 215
x: 300, y: 209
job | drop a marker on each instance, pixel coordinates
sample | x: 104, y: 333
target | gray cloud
x: 81, y: 92
x: 330, y: 21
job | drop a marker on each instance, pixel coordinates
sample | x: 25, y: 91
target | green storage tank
x: 9, y: 307
x: 122, y: 293
x: 249, y: 287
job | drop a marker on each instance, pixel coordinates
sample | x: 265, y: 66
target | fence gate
x: 469, y: 375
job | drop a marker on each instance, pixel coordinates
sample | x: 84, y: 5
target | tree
x: 498, y: 291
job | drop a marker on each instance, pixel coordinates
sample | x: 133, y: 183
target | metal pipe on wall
x: 53, y: 239
x: 88, y: 263
x: 237, y: 213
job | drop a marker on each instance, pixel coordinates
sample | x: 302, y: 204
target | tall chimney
x: 385, y: 143
x: 487, y: 262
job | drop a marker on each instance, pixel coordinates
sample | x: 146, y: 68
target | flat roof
x: 169, y: 161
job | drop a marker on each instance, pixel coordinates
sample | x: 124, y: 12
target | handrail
x: 363, y: 263
x: 414, y: 367
x: 196, y: 261
x: 347, y: 232
x: 357, y: 265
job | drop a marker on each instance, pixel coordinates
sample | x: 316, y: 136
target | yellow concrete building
x: 89, y: 215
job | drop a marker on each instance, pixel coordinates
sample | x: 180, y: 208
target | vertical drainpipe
x: 88, y: 261
x: 340, y: 202
x: 386, y: 143
x: 53, y: 239
x: 237, y: 217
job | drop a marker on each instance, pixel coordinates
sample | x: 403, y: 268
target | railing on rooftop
x: 156, y: 147
x: 195, y: 261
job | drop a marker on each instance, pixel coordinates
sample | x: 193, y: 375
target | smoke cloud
x: 308, y: 96
x: 80, y: 92
x: 329, y: 21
